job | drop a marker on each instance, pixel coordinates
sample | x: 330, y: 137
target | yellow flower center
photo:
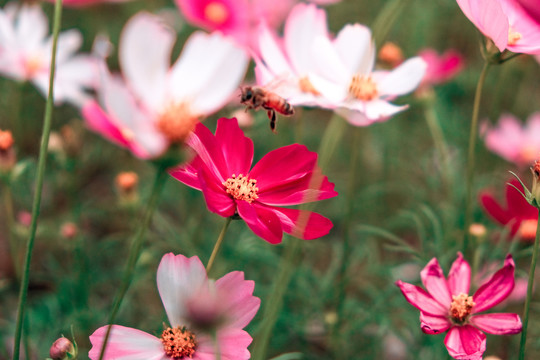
x: 527, y: 229
x: 32, y: 65
x: 307, y: 87
x: 216, y: 12
x: 513, y: 36
x: 178, y: 342
x: 242, y: 188
x: 461, y: 307
x: 177, y: 122
x: 363, y: 88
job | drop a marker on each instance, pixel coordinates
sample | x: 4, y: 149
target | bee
x: 255, y: 97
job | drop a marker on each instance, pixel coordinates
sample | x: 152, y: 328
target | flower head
x: 25, y: 54
x: 440, y: 68
x: 286, y: 176
x: 517, y: 143
x: 518, y: 214
x: 446, y: 305
x: 156, y: 105
x: 510, y: 24
x: 182, y: 281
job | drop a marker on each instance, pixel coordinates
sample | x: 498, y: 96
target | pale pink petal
x: 328, y: 62
x: 126, y: 344
x: 421, y: 300
x: 434, y: 324
x: 97, y: 120
x: 178, y: 278
x: 356, y: 49
x: 403, y: 79
x: 239, y: 302
x: 334, y: 92
x: 496, y: 289
x: 237, y: 148
x: 31, y: 27
x: 233, y: 344
x: 303, y: 224
x: 435, y: 283
x: 68, y: 43
x: 459, y: 277
x: 262, y: 221
x: 465, y: 343
x: 271, y: 53
x: 523, y: 22
x: 498, y: 323
x: 375, y: 110
x: 144, y: 54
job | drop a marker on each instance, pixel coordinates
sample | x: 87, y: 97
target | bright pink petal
x: 303, y: 224
x: 126, y: 344
x: 237, y: 148
x: 493, y: 208
x: 207, y: 147
x: 498, y: 323
x: 97, y: 120
x: 435, y: 283
x: 262, y: 221
x: 459, y: 277
x: 434, y: 324
x: 178, y: 278
x: 517, y: 204
x: 421, y: 300
x: 187, y: 174
x: 465, y: 342
x: 496, y: 289
x: 233, y: 344
x: 217, y: 199
x: 241, y: 306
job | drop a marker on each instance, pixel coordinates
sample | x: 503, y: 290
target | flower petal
x: 126, y: 344
x: 433, y: 324
x: 496, y: 289
x: 208, y: 149
x: 217, y: 199
x: 241, y: 305
x: 236, y: 147
x: 303, y: 224
x: 263, y: 221
x: 187, y: 174
x: 356, y: 48
x: 459, y: 277
x: 178, y: 278
x: 421, y: 300
x: 465, y: 342
x: 498, y: 323
x: 403, y: 79
x: 494, y: 209
x: 233, y: 344
x: 435, y: 283
x: 97, y: 120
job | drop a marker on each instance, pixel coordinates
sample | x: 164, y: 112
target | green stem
x: 386, y: 18
x: 218, y: 244
x: 471, y: 158
x: 23, y: 293
x: 135, y: 250
x: 529, y: 293
x: 437, y: 135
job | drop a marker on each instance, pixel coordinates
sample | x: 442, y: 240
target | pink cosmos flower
x: 440, y: 68
x: 518, y: 294
x: 286, y: 176
x: 445, y: 305
x: 520, y: 216
x: 514, y: 142
x: 182, y: 281
x: 25, y: 54
x: 511, y: 24
x: 157, y: 105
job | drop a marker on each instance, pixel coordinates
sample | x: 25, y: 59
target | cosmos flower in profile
x: 155, y: 105
x: 25, y: 54
x: 285, y: 176
x: 440, y: 68
x: 446, y: 305
x: 229, y: 305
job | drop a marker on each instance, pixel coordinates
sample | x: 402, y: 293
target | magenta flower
x: 440, y: 68
x: 511, y: 24
x: 286, y: 176
x: 182, y: 281
x: 447, y: 306
x: 520, y: 216
x: 513, y: 141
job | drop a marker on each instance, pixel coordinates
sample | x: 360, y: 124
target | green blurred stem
x: 23, y: 293
x: 135, y: 249
x: 14, y: 247
x: 471, y: 158
x: 437, y: 135
x: 386, y: 18
x: 529, y: 293
x: 217, y: 246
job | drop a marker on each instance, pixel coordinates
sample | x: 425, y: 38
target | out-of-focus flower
x: 245, y: 119
x: 391, y: 54
x: 518, y: 214
x: 126, y: 184
x: 478, y: 230
x: 8, y: 159
x: 510, y: 24
x: 80, y: 3
x: 440, y: 68
x: 24, y: 218
x: 183, y: 281
x: 25, y: 54
x: 517, y: 143
x: 62, y: 349
x: 158, y: 105
x: 69, y: 230
x: 446, y: 305
x: 286, y: 176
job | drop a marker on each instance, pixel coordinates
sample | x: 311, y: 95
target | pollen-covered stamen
x: 216, y: 12
x: 307, y: 87
x: 527, y: 229
x: 513, y: 36
x: 242, y: 188
x: 178, y: 342
x: 461, y: 307
x: 177, y: 122
x: 363, y: 88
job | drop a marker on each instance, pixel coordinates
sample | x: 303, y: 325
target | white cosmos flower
x: 25, y: 54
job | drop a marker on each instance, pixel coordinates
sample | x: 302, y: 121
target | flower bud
x: 62, y: 349
x: 7, y: 153
x: 536, y: 184
x: 69, y: 230
x: 477, y: 230
x: 391, y: 54
x: 126, y: 185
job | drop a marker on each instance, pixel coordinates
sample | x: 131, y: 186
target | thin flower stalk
x: 47, y: 121
x: 217, y: 246
x: 135, y: 250
x: 529, y: 294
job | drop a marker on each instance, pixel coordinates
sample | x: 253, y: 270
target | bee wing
x: 277, y: 82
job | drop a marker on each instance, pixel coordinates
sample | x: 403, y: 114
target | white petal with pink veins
x: 403, y: 79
